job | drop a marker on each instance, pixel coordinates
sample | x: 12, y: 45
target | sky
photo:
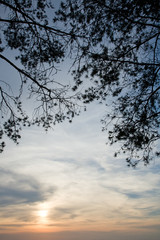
x: 66, y: 185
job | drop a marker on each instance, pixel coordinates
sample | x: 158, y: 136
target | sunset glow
x: 43, y: 213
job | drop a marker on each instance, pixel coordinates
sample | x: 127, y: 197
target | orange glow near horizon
x: 44, y: 225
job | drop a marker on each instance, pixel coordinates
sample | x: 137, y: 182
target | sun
x: 43, y: 213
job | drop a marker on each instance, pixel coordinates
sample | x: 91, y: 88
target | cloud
x: 14, y: 214
x: 10, y: 195
x: 21, y: 189
x: 66, y: 213
x: 95, y: 165
x: 134, y: 195
x: 153, y: 193
x: 154, y: 212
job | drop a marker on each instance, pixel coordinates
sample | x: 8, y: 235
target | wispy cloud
x: 73, y: 174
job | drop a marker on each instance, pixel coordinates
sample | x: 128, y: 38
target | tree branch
x: 24, y: 73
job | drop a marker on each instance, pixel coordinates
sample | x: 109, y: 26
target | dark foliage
x: 121, y: 56
x: 114, y: 46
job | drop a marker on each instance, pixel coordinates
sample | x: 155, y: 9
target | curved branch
x: 43, y: 87
x: 24, y: 73
x: 56, y: 31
